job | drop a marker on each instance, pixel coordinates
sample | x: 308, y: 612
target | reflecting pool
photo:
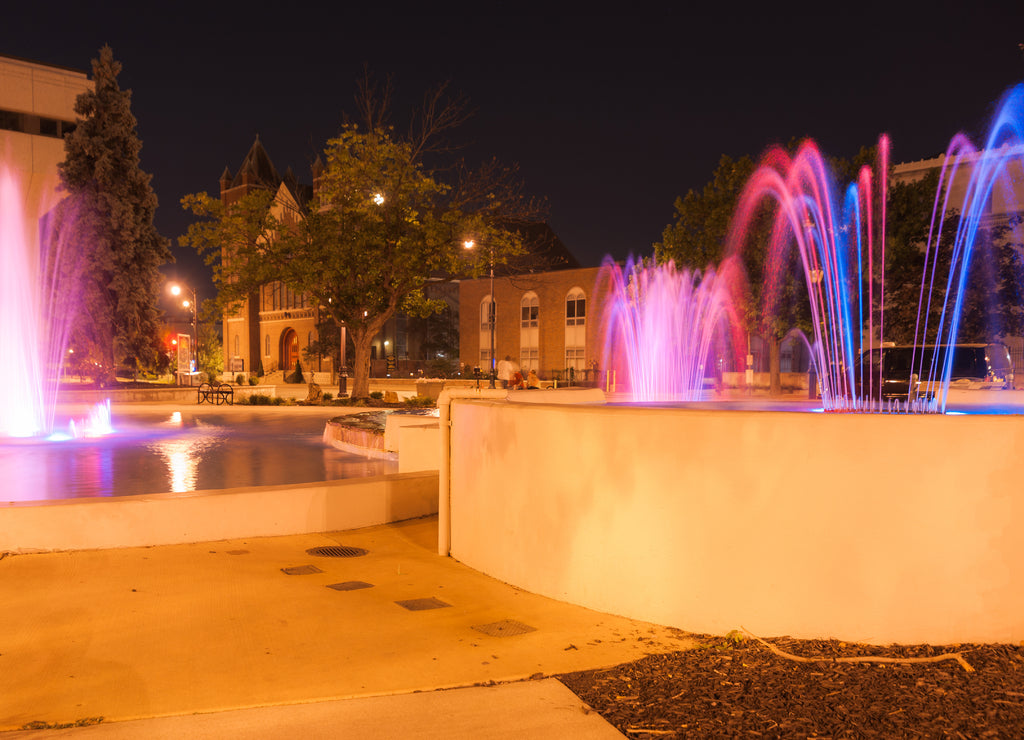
x: 176, y: 449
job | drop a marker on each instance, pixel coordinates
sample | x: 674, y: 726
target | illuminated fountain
x: 859, y: 526
x: 23, y: 412
x: 662, y: 324
x: 841, y: 246
x: 661, y: 321
x: 37, y: 292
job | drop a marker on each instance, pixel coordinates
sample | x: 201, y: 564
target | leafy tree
x: 327, y: 345
x: 209, y: 346
x: 390, y: 210
x: 698, y: 239
x: 107, y: 220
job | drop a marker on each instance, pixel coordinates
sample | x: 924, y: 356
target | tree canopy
x: 107, y: 221
x: 383, y: 222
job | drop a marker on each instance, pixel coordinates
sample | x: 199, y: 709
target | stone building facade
x: 275, y: 323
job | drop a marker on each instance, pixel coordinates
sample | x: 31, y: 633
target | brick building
x: 546, y: 321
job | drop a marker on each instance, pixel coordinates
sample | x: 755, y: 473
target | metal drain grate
x: 504, y: 628
x: 301, y: 570
x: 418, y: 605
x: 349, y: 585
x: 337, y: 551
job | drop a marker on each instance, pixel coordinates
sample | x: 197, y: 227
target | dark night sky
x: 610, y: 116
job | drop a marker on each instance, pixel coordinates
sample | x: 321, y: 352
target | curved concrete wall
x: 201, y: 516
x: 859, y: 527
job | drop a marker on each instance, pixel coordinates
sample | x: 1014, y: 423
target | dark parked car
x: 914, y: 372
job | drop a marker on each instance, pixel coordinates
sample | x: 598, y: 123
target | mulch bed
x: 734, y: 687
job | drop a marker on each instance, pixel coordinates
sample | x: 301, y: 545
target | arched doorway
x: 289, y: 350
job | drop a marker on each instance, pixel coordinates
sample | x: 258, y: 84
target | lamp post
x: 491, y: 313
x: 177, y: 290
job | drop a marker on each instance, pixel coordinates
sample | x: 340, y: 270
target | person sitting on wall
x: 532, y: 381
x: 516, y: 382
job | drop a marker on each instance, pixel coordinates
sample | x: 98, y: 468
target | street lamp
x: 491, y: 313
x: 177, y: 290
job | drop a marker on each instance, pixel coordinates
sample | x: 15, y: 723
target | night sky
x: 609, y: 116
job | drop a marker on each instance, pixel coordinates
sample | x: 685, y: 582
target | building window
x: 267, y: 350
x: 237, y: 344
x: 529, y: 332
x: 276, y: 296
x: 575, y: 329
x: 485, y: 324
x: 488, y: 315
x: 529, y: 309
x: 575, y: 308
x: 11, y: 121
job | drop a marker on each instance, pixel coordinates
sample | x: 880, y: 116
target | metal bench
x: 216, y: 394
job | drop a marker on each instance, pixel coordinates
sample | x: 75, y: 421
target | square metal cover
x: 418, y: 605
x: 504, y: 628
x: 301, y: 570
x: 349, y: 585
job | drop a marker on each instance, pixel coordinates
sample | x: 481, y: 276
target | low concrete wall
x: 859, y: 527
x: 201, y: 516
x: 420, y: 447
x: 788, y: 381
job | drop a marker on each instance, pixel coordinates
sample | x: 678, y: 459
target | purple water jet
x: 841, y: 246
x: 38, y: 287
x: 661, y: 321
x: 663, y: 324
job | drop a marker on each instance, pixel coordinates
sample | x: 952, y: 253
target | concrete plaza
x: 216, y: 639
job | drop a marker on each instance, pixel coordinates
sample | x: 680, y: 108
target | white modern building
x: 37, y: 107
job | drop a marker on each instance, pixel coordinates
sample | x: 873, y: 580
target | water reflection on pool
x: 169, y: 449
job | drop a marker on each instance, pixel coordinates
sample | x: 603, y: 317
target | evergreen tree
x: 107, y: 219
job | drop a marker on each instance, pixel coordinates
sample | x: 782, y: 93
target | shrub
x: 377, y: 395
x: 261, y: 399
x: 419, y: 402
x: 253, y: 380
x: 328, y: 396
x: 239, y: 380
x: 296, y: 376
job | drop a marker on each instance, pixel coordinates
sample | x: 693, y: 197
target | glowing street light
x: 378, y: 198
x: 491, y: 313
x: 193, y: 305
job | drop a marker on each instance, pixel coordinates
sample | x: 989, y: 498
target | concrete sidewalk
x: 219, y: 641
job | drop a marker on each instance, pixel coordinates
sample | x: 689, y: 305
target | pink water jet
x: 38, y: 287
x: 840, y: 242
x: 667, y: 329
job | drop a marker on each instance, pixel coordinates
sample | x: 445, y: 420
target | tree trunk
x: 774, y: 365
x: 362, y: 338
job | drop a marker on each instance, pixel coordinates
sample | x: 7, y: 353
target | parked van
x: 905, y: 370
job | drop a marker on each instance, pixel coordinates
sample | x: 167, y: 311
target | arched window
x: 488, y: 316
x: 529, y: 332
x: 576, y: 329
